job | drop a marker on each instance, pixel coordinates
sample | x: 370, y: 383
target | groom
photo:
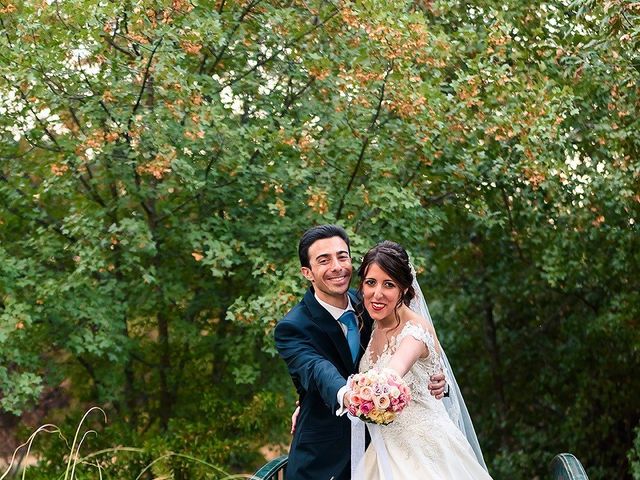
x: 322, y: 340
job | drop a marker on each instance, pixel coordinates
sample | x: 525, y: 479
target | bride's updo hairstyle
x: 393, y: 259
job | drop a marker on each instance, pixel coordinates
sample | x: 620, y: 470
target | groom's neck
x: 338, y: 301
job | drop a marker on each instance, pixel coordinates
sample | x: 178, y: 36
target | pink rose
x: 366, y: 407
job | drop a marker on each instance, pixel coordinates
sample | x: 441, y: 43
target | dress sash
x: 358, y: 447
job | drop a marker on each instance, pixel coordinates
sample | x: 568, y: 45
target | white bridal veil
x: 454, y: 403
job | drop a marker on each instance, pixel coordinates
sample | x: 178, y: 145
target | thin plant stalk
x: 73, y: 453
x: 75, y: 459
x: 43, y: 428
x: 181, y: 455
x: 97, y: 465
x: 113, y: 449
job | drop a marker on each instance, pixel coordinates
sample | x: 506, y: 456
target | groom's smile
x: 340, y: 279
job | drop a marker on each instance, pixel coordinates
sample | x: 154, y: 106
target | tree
x: 161, y: 159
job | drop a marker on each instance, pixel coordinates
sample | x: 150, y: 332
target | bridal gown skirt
x: 425, y: 448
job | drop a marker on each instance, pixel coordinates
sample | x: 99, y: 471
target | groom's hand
x: 346, y: 400
x: 437, y: 385
x: 294, y: 417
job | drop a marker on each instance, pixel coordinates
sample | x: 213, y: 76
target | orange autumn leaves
x: 160, y: 165
x: 95, y: 142
x: 402, y: 47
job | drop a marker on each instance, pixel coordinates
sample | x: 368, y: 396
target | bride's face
x: 381, y: 293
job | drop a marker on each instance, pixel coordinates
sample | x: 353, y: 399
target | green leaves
x: 159, y: 163
x: 18, y: 389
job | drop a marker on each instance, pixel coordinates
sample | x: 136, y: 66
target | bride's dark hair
x: 394, y: 260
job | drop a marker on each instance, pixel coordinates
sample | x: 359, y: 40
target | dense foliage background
x: 159, y: 160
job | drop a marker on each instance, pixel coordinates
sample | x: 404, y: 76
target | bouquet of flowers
x: 378, y: 396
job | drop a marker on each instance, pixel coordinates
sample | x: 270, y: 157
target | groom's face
x: 330, y: 270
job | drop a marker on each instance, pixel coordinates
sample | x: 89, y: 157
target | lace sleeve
x: 419, y: 333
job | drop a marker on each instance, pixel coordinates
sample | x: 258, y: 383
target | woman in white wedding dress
x: 423, y: 442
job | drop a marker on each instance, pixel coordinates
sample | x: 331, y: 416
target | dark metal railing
x: 274, y: 470
x: 565, y: 466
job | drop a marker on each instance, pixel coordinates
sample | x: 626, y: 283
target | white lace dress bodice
x: 422, y: 442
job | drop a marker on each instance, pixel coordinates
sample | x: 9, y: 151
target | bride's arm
x: 408, y: 352
x: 414, y: 346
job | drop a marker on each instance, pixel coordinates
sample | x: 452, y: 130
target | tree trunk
x: 165, y: 366
x: 491, y: 341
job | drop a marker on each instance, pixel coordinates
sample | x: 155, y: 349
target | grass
x: 73, y: 459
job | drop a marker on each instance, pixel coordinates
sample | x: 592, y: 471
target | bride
x: 430, y: 439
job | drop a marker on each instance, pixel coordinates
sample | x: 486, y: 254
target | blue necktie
x: 348, y: 319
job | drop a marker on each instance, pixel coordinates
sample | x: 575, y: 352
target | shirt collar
x: 335, y: 312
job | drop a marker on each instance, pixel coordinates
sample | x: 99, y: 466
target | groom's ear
x: 306, y: 273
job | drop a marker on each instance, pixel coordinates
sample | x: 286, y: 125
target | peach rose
x: 382, y: 402
x: 366, y: 393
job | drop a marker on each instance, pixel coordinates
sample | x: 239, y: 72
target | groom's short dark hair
x: 318, y: 233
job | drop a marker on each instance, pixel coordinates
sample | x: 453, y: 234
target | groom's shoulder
x: 300, y: 309
x: 292, y: 319
x: 296, y: 311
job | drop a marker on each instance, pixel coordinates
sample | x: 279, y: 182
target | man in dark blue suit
x: 322, y: 340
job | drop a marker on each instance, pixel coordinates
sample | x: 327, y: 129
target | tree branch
x: 365, y: 143
x: 295, y: 95
x: 57, y: 229
x: 6, y: 32
x: 224, y: 47
x: 266, y: 60
x: 145, y: 79
x: 512, y: 227
x: 35, y: 115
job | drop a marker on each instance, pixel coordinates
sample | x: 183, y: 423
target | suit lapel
x: 329, y: 325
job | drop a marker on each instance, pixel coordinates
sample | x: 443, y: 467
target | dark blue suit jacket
x: 317, y: 354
